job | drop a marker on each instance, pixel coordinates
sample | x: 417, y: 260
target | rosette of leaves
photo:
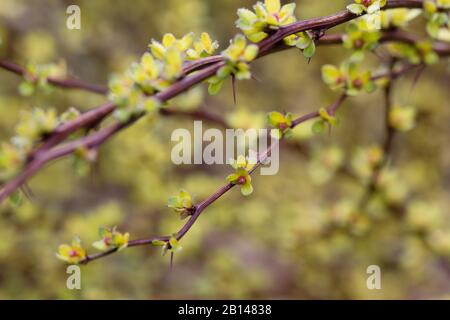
x: 267, y: 17
x: 325, y: 119
x: 35, y: 125
x: 182, y: 204
x: 202, y: 48
x: 360, y: 38
x: 72, y: 253
x: 111, y: 239
x: 348, y: 78
x: 241, y: 176
x: 129, y: 97
x: 156, y: 71
x: 281, y: 123
x: 160, y: 49
x: 237, y: 57
x: 402, y: 118
x: 172, y: 245
x: 36, y: 76
x: 420, y: 52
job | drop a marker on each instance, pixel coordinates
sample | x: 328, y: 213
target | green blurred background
x: 297, y: 237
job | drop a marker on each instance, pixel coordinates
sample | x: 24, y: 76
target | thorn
x: 171, y: 261
x: 26, y: 190
x: 309, y: 60
x: 416, y: 77
x: 233, y: 84
x: 256, y: 78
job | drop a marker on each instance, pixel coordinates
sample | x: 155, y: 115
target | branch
x: 332, y: 109
x: 204, y: 69
x: 220, y: 192
x: 68, y: 83
x: 387, y: 143
x: 96, y: 115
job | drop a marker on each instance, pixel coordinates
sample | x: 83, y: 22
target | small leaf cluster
x: 281, y: 122
x: 72, y: 253
x: 31, y: 129
x: 205, y: 47
x: 269, y: 17
x: 35, y: 125
x: 36, y: 76
x: 241, y: 176
x: 420, y: 52
x: 365, y: 160
x: 325, y: 119
x: 237, y: 57
x: 360, y: 38
x: 304, y: 41
x: 172, y: 245
x: 348, y: 78
x: 402, y: 118
x: 182, y: 204
x: 111, y: 239
x: 156, y: 71
x: 266, y: 18
x: 438, y: 25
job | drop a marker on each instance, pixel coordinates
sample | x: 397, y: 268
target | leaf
x: 275, y: 118
x: 330, y: 74
x: 224, y: 72
x: 310, y: 50
x: 157, y: 49
x: 272, y: 6
x: 288, y: 10
x: 186, y: 42
x: 207, y: 43
x: 100, y: 245
x: 246, y: 18
x: 355, y: 8
x: 214, y: 88
x: 257, y: 37
x: 247, y: 189
x: 16, y: 198
x: 168, y: 40
x: 251, y: 52
x: 318, y: 127
x: 374, y: 7
x: 232, y: 177
x: 26, y: 88
x: 158, y: 243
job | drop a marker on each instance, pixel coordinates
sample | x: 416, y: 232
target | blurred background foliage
x: 298, y: 236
